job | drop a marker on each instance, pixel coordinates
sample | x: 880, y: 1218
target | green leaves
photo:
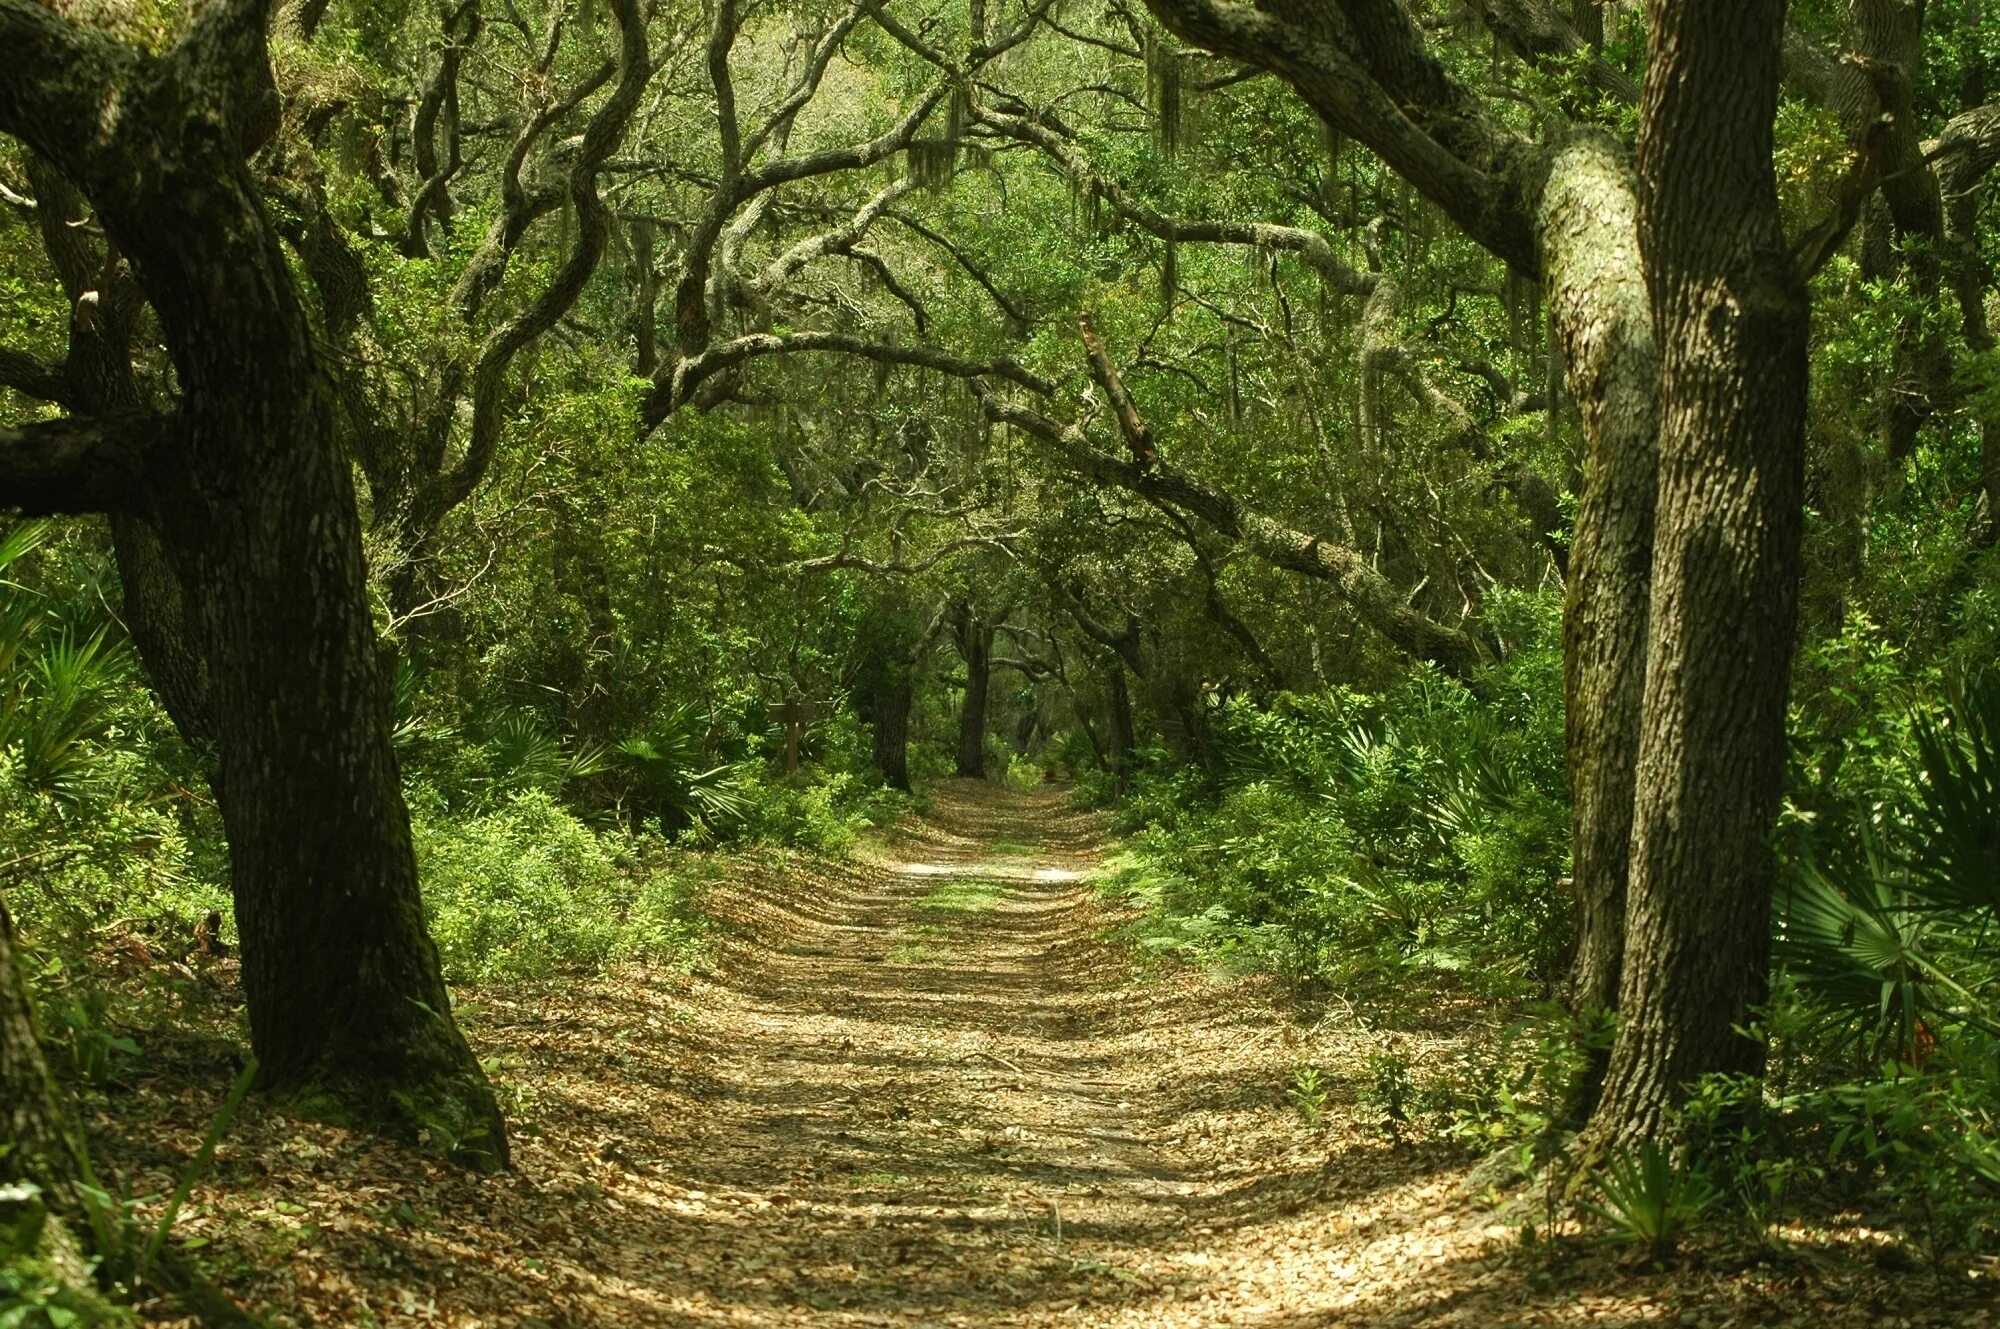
x: 1649, y: 1199
x: 672, y: 781
x: 1882, y: 934
x: 1957, y: 850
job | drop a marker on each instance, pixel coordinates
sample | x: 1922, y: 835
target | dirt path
x: 925, y: 1088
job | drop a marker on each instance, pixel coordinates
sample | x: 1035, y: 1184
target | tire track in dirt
x: 932, y: 1087
x: 929, y: 1086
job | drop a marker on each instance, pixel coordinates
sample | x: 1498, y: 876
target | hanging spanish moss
x: 958, y: 113
x: 1514, y: 295
x: 1170, y: 276
x: 1333, y: 142
x: 1163, y: 90
x: 931, y: 162
x: 1235, y: 390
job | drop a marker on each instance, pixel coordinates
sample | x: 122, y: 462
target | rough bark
x: 1602, y: 318
x: 97, y: 378
x: 974, y: 638
x: 1730, y: 318
x: 890, y: 713
x: 33, y: 1119
x: 1123, y: 739
x: 1364, y: 66
x: 253, y: 502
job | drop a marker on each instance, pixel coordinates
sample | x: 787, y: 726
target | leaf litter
x: 928, y: 1086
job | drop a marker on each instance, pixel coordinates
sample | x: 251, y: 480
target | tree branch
x: 77, y: 464
x: 670, y: 392
x: 33, y: 376
x: 1352, y: 577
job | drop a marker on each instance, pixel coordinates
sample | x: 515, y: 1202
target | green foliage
x: 527, y: 890
x: 671, y: 785
x: 522, y: 755
x: 1308, y: 1093
x: 1421, y: 830
x: 1648, y: 1199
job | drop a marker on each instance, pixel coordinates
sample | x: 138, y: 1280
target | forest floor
x: 934, y: 1085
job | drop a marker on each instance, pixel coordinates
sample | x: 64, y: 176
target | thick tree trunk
x: 889, y: 711
x: 41, y: 1141
x: 252, y: 500
x: 975, y: 647
x: 1730, y: 317
x: 1118, y: 698
x: 1588, y: 220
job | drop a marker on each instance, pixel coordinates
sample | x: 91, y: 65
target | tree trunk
x: 1730, y: 315
x: 348, y: 1010
x: 1588, y: 220
x: 1024, y: 730
x: 1123, y: 740
x: 253, y: 502
x: 1588, y: 16
x: 889, y: 710
x: 975, y: 646
x: 40, y: 1138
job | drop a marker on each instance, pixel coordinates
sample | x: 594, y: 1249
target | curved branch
x: 602, y: 135
x: 838, y: 240
x: 1364, y: 590
x: 672, y: 391
x: 1363, y: 65
x: 1060, y: 148
x: 32, y: 376
x: 78, y: 464
x: 850, y: 562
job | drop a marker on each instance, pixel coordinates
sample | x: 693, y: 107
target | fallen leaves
x: 1014, y: 1128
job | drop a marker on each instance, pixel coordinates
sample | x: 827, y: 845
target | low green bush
x: 1339, y: 835
x: 527, y: 890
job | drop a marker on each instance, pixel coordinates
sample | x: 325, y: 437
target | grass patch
x: 963, y: 895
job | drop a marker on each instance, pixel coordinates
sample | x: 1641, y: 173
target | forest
x: 1294, y: 663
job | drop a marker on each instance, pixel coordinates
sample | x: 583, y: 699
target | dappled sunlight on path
x: 929, y: 1086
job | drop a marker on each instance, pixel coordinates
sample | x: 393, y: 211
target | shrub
x: 528, y: 890
x: 1339, y: 835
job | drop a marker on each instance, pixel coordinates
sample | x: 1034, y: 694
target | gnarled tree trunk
x: 251, y: 498
x: 1588, y: 221
x: 1730, y: 315
x: 974, y: 637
